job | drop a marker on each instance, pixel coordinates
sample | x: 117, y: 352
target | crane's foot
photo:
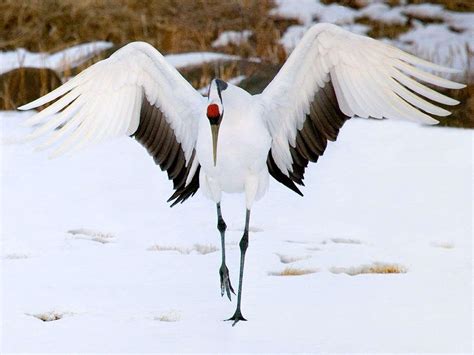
x: 226, y: 286
x: 237, y: 317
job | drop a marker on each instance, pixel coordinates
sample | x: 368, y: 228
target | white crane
x: 232, y: 141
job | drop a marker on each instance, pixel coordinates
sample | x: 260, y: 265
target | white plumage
x: 233, y: 139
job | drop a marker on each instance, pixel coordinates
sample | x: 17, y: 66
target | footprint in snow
x: 202, y: 249
x: 443, y: 245
x: 16, y: 256
x: 94, y: 236
x: 296, y: 241
x: 169, y: 316
x: 288, y: 259
x: 240, y: 229
x: 49, y: 316
x: 342, y: 241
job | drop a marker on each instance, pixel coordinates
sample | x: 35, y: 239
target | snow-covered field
x: 92, y: 259
x: 85, y: 238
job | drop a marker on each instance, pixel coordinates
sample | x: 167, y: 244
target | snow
x: 232, y: 37
x: 357, y: 28
x: 430, y: 11
x: 384, y: 13
x: 336, y: 14
x: 76, y: 55
x: 461, y: 21
x: 303, y: 10
x: 59, y: 61
x: 385, y: 195
x: 92, y: 259
x: 181, y: 60
x: 292, y: 36
x: 437, y: 43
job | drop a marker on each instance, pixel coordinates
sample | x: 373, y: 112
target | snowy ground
x: 386, y: 192
x: 89, y: 243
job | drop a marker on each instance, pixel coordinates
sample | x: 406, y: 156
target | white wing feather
x: 104, y: 101
x: 370, y: 79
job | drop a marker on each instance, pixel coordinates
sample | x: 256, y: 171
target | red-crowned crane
x: 231, y: 141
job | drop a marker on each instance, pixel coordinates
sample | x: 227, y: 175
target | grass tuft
x: 374, y: 268
x: 293, y: 271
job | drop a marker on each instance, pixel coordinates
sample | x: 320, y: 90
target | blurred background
x: 44, y: 43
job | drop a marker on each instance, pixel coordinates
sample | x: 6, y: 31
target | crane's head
x: 215, y: 111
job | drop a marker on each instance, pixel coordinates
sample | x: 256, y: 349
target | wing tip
x: 431, y: 122
x: 26, y: 107
x: 460, y: 86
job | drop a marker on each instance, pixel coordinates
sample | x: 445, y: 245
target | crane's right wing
x: 134, y: 92
x: 333, y: 75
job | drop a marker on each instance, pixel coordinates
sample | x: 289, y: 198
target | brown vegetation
x: 20, y: 86
x: 463, y: 114
x: 171, y: 25
x: 379, y: 29
x: 293, y: 271
x: 453, y: 5
x: 176, y: 26
x: 374, y: 268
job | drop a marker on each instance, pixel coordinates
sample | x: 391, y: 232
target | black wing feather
x: 322, y: 124
x: 157, y: 136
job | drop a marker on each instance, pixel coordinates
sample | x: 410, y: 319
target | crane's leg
x: 244, y: 243
x: 223, y: 271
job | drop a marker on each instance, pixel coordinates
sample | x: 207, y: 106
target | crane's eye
x: 213, y: 112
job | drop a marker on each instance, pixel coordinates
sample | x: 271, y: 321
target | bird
x: 230, y: 141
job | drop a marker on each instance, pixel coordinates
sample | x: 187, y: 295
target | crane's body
x: 231, y: 141
x: 243, y: 145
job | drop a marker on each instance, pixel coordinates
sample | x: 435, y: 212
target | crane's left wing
x: 134, y: 92
x: 331, y: 76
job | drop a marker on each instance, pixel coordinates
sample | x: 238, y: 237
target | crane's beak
x: 214, y: 114
x: 215, y: 135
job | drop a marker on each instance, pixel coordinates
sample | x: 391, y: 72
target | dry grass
x: 379, y: 29
x: 176, y: 26
x: 453, y: 5
x: 463, y: 114
x: 374, y: 268
x: 292, y: 271
x: 20, y: 86
x: 171, y: 25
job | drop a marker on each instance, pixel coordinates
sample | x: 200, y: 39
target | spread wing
x: 333, y: 75
x: 134, y: 92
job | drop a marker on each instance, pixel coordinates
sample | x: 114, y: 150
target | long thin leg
x: 223, y: 271
x: 244, y: 243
